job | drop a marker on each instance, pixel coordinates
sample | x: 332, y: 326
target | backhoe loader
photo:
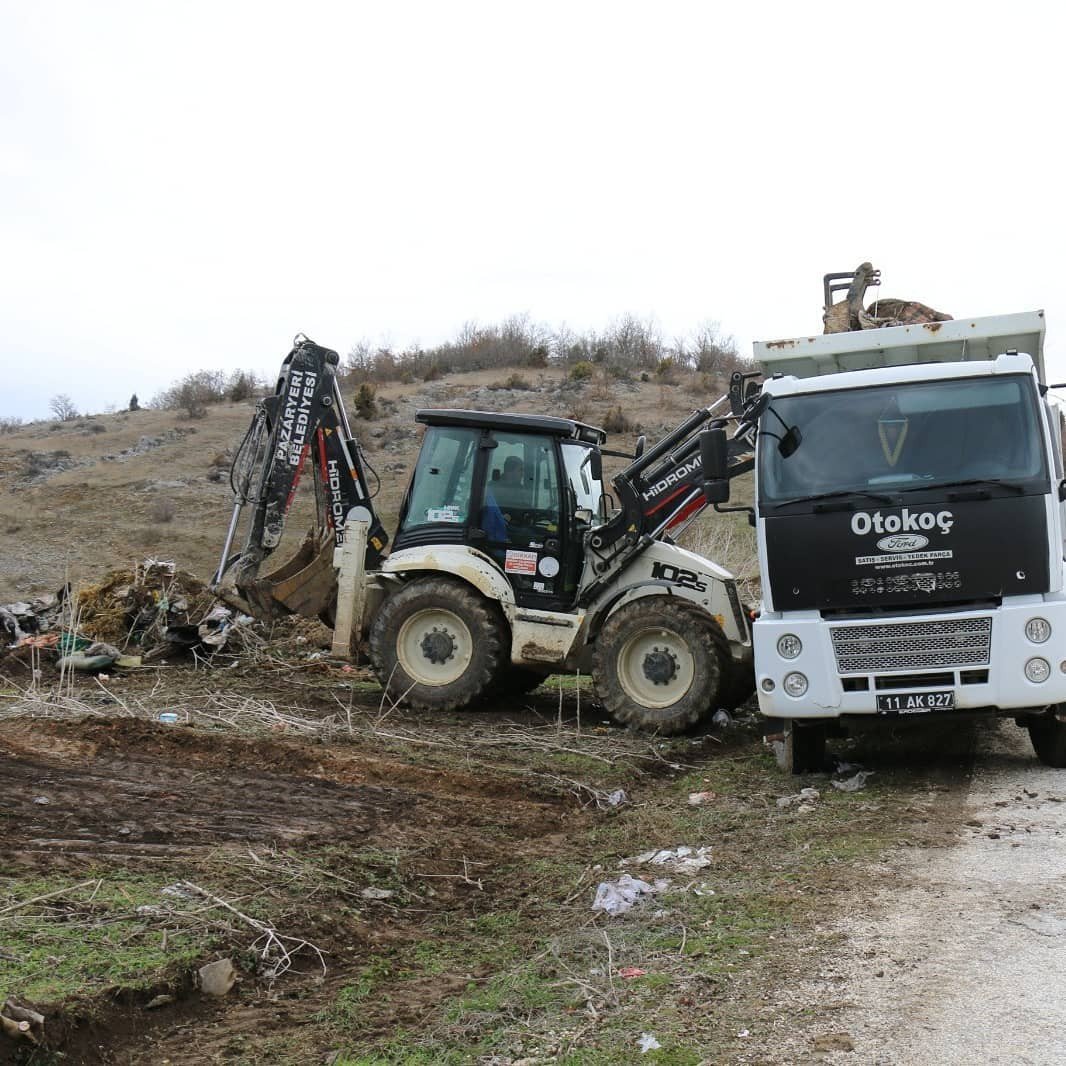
x: 510, y: 561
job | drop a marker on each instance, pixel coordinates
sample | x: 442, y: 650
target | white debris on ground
x: 853, y: 784
x: 682, y: 859
x: 617, y: 897
x: 802, y: 800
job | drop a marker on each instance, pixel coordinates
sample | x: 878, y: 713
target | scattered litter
x: 102, y: 648
x: 85, y: 664
x: 42, y: 801
x: 723, y: 719
x: 158, y: 1001
x: 683, y: 859
x: 843, y: 767
x: 853, y: 784
x: 217, y: 978
x: 214, y: 626
x: 377, y: 893
x: 700, y: 799
x: 179, y: 891
x: 617, y: 897
x: 168, y: 717
x: 648, y: 1043
x: 617, y: 798
x: 629, y: 973
x: 803, y: 797
x: 744, y: 1033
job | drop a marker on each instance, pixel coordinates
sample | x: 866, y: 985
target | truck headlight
x: 789, y: 646
x: 795, y: 684
x: 1038, y: 630
x: 1037, y: 670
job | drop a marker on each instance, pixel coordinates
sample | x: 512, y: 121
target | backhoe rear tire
x: 657, y: 665
x: 437, y: 645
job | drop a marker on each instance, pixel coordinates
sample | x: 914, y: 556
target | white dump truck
x: 909, y: 510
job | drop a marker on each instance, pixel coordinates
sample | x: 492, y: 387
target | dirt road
x: 958, y: 956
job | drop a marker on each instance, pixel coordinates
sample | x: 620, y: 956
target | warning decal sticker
x: 520, y: 562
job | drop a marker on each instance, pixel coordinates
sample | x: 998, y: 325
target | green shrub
x: 582, y: 371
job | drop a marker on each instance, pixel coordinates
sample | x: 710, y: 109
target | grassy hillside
x: 80, y: 497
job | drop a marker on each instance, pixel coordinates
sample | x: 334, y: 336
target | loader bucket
x: 305, y: 584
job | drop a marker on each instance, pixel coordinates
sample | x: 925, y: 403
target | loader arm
x: 662, y: 491
x: 303, y: 423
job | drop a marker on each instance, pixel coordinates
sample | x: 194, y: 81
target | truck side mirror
x: 714, y: 462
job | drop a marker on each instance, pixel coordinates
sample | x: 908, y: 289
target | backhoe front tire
x: 657, y: 665
x: 437, y: 645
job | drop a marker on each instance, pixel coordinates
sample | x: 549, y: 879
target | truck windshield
x: 905, y: 438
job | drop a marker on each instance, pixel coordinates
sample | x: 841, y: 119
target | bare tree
x: 62, y: 406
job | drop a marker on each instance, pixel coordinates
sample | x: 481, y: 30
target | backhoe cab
x: 510, y: 561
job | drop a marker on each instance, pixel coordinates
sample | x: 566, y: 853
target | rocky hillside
x: 78, y: 498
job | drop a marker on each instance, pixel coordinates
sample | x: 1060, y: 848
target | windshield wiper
x: 840, y: 494
x: 974, y: 482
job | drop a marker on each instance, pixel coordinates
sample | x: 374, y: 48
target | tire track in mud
x: 130, y: 789
x: 956, y: 954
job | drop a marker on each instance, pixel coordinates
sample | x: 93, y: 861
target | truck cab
x: 909, y: 486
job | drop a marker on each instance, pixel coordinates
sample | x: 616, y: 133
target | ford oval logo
x: 903, y: 542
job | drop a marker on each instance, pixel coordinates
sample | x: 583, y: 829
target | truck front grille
x: 912, y: 645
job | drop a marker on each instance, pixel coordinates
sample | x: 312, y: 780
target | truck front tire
x: 437, y: 645
x: 1048, y: 735
x: 657, y: 665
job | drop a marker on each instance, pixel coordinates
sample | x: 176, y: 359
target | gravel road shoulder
x: 950, y: 954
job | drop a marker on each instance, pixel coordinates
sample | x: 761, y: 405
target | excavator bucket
x: 305, y: 584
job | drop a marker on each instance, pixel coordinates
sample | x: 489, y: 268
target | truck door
x: 521, y: 515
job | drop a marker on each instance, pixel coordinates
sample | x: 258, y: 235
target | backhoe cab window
x: 904, y: 438
x: 521, y: 500
x: 440, y: 491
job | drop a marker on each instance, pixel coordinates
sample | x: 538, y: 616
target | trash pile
x: 132, y: 617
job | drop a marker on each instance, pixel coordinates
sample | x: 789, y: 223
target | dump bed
x: 957, y: 341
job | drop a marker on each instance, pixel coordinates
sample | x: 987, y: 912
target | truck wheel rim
x: 656, y: 668
x: 434, y: 647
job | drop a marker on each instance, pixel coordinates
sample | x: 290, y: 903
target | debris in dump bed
x: 853, y: 784
x: 803, y: 799
x: 617, y: 897
x: 682, y: 860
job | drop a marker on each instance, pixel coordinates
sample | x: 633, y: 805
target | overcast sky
x: 187, y: 185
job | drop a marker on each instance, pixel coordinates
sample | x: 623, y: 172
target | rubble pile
x: 132, y: 616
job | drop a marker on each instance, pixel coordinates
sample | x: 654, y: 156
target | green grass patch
x: 86, y: 937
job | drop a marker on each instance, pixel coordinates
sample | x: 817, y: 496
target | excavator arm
x: 303, y: 424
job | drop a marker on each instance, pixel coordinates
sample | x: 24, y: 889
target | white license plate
x: 916, y: 702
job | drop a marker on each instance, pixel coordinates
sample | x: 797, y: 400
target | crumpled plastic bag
x: 617, y: 897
